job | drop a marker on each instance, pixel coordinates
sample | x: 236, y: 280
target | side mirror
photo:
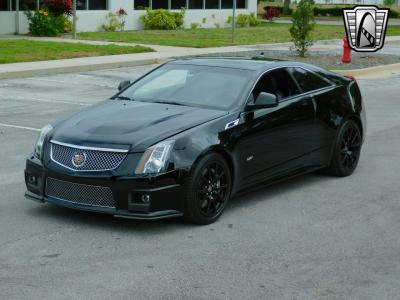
x: 265, y: 100
x: 123, y: 84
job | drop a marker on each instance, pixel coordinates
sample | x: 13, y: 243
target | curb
x: 78, y: 68
x: 372, y: 72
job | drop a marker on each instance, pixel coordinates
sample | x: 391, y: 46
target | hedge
x: 335, y: 11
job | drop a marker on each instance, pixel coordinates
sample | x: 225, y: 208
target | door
x: 275, y: 141
x: 325, y: 97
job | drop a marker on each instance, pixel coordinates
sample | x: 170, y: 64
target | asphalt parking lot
x: 313, y: 237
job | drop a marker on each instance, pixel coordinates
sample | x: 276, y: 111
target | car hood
x: 130, y: 125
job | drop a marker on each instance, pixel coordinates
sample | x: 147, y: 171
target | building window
x: 212, y: 4
x: 4, y: 5
x: 25, y: 5
x: 229, y: 3
x: 226, y: 3
x: 158, y: 4
x: 178, y: 4
x: 141, y: 4
x: 241, y: 4
x: 97, y: 4
x: 195, y: 4
x: 81, y: 5
x: 189, y: 4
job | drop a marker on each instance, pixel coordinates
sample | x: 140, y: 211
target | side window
x: 307, y: 80
x: 277, y: 82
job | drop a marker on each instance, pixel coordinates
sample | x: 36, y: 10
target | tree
x: 302, y: 26
x: 389, y: 2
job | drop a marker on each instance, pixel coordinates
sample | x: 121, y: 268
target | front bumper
x: 164, y: 191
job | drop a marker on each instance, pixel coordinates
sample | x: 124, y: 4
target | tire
x: 346, y: 151
x: 207, y: 190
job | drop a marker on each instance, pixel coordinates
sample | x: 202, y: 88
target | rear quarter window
x: 308, y: 81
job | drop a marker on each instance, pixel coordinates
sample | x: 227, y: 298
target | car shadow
x: 67, y: 216
x: 269, y: 191
x: 101, y: 221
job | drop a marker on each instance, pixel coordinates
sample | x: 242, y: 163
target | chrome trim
x: 89, y: 148
x: 285, y: 67
x: 83, y: 148
x: 232, y: 124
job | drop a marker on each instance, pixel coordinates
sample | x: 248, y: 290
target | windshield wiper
x: 123, y: 98
x: 168, y: 102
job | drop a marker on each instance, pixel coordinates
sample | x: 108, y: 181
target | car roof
x: 258, y: 64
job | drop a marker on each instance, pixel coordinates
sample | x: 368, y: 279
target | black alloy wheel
x: 347, y: 150
x: 208, y: 190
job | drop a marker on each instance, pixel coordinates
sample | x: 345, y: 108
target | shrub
x: 335, y: 11
x: 43, y: 23
x: 67, y: 25
x: 115, y: 21
x: 111, y: 23
x: 243, y: 20
x: 394, y: 14
x: 324, y: 11
x: 253, y: 20
x: 302, y: 26
x: 121, y: 14
x: 163, y: 19
x: 194, y: 25
x: 179, y: 17
x: 58, y: 7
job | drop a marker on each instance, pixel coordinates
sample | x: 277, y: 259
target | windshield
x: 191, y: 85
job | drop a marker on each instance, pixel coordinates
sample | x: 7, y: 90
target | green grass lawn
x: 26, y: 50
x: 213, y: 37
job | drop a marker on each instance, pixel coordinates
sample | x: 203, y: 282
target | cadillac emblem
x: 79, y: 159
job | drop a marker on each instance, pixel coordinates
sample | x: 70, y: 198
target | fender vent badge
x: 232, y: 124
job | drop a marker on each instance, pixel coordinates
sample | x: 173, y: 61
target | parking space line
x: 19, y: 127
x: 18, y: 98
x: 86, y: 76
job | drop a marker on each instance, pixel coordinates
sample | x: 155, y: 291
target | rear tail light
x: 351, y: 77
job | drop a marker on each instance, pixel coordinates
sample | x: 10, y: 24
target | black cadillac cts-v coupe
x: 187, y: 136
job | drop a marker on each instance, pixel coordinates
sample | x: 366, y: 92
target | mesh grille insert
x: 80, y: 193
x: 94, y: 160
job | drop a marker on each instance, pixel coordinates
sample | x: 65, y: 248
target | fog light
x: 32, y: 179
x: 146, y: 198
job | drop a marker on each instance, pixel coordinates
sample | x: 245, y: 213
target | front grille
x: 80, y: 193
x: 95, y: 159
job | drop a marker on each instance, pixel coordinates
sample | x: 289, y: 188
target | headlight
x: 38, y: 151
x: 155, y: 159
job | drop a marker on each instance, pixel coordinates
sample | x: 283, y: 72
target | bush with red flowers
x: 59, y: 7
x: 51, y: 19
x: 271, y: 12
